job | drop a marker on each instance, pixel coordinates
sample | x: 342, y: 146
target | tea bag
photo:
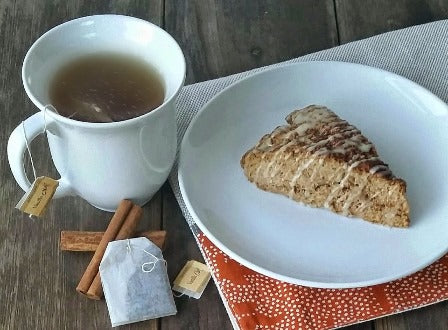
x: 135, y: 282
x: 90, y: 112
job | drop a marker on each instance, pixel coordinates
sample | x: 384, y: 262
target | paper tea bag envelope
x: 135, y: 282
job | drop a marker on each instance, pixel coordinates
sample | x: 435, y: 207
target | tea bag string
x: 26, y: 139
x: 45, y: 117
x: 29, y: 150
x: 150, y: 264
x: 178, y: 295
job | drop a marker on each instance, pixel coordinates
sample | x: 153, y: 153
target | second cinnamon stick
x: 95, y: 290
x: 111, y: 232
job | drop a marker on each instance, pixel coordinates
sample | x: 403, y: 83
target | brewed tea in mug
x: 106, y: 87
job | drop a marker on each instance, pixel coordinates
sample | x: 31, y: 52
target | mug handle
x: 34, y: 125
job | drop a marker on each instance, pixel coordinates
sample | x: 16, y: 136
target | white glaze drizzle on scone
x: 311, y: 118
x: 323, y: 134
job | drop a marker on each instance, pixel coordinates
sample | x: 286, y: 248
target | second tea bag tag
x: 192, y: 279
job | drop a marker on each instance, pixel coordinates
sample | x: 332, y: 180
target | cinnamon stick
x: 157, y: 237
x: 130, y: 224
x: 86, y: 241
x: 111, y: 232
x: 80, y: 240
x: 95, y: 290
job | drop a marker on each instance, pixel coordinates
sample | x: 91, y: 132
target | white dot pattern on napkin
x: 260, y: 302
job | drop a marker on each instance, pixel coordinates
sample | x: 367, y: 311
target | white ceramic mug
x: 102, y: 162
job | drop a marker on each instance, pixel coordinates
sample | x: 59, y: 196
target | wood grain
x: 218, y: 38
x: 361, y: 19
x: 38, y: 280
x: 224, y: 37
x: 434, y: 317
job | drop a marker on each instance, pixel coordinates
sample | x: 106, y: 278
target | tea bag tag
x: 192, y: 279
x: 38, y: 197
x: 36, y: 200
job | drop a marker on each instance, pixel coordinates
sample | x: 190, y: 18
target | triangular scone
x: 323, y: 161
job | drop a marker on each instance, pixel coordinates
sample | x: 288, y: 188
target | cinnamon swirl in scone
x: 323, y: 161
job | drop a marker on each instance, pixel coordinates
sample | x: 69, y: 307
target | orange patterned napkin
x: 260, y: 302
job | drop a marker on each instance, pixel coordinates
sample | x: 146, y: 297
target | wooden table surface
x: 37, y: 281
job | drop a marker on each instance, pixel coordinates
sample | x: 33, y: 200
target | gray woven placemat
x: 419, y: 53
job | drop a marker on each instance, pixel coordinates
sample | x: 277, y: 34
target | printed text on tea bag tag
x: 192, y: 279
x: 38, y: 197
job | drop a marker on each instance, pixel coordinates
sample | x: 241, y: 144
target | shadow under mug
x: 102, y: 162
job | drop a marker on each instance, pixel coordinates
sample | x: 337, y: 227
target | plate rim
x: 251, y: 265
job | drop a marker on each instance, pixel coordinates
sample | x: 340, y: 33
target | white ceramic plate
x: 278, y: 237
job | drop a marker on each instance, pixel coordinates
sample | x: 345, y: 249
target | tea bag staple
x: 135, y: 282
